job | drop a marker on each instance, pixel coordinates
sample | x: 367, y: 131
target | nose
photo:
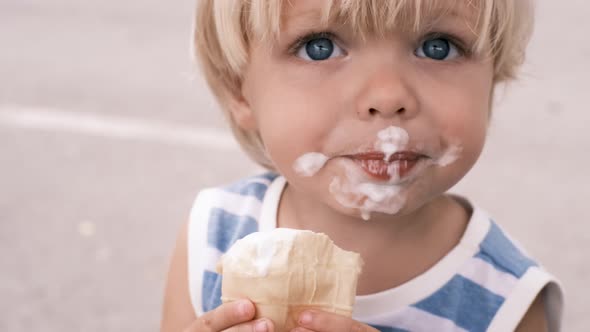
x: 387, y: 93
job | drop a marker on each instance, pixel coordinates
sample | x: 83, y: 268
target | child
x: 365, y: 113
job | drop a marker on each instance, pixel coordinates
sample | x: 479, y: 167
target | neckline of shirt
x: 375, y: 305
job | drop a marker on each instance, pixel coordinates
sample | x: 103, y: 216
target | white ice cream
x: 449, y: 156
x: 310, y: 163
x: 267, y: 247
x: 391, y: 140
x: 355, y: 190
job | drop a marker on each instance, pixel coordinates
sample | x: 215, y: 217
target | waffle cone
x: 286, y: 271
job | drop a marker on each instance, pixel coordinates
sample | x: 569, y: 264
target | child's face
x: 324, y: 89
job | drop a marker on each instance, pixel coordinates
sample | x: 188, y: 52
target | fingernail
x: 244, y: 308
x: 261, y: 326
x: 305, y: 318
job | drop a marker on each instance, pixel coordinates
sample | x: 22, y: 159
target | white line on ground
x: 49, y: 119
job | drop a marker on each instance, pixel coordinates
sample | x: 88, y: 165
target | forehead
x: 369, y: 16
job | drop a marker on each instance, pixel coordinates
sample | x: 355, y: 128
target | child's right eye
x: 318, y: 47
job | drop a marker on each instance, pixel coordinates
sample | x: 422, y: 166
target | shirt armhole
x: 534, y: 281
x: 196, y: 246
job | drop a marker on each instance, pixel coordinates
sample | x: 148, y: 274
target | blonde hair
x: 224, y: 28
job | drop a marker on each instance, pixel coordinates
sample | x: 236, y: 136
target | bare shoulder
x: 177, y: 312
x: 535, y: 319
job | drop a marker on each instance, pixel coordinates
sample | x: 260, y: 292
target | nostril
x: 374, y: 111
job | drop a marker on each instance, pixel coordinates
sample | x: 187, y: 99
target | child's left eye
x: 319, y: 48
x: 439, y: 49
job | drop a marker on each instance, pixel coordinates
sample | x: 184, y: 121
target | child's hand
x: 321, y: 321
x: 231, y: 317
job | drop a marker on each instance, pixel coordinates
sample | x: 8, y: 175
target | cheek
x: 471, y: 130
x: 295, y: 116
x: 468, y: 107
x: 465, y: 121
x: 472, y: 135
x: 290, y: 127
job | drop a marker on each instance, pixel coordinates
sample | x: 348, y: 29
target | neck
x: 410, y: 244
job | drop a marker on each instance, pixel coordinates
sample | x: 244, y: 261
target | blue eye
x: 319, y: 49
x: 437, y: 49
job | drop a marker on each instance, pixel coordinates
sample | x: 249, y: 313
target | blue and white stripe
x: 232, y: 213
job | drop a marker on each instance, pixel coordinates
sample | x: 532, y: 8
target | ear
x: 242, y: 113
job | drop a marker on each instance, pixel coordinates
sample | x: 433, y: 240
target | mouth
x: 396, y: 167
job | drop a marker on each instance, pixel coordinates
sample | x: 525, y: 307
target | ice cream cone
x: 286, y: 271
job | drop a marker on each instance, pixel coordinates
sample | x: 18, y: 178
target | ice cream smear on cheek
x: 310, y: 163
x: 452, y: 153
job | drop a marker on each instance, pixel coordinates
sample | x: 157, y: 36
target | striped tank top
x: 485, y: 283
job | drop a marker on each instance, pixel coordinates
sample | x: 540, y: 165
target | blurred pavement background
x: 107, y: 134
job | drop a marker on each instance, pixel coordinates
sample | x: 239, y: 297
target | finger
x: 224, y: 317
x: 260, y: 325
x: 321, y: 321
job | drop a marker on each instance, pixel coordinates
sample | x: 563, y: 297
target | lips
x: 398, y: 165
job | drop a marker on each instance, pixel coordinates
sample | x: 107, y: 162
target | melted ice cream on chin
x: 354, y: 190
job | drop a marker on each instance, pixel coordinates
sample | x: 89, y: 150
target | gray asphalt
x: 88, y: 216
